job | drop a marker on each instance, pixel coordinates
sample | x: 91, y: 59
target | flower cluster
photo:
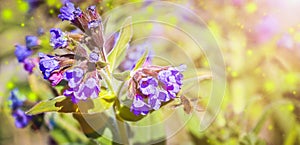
x: 23, y: 53
x: 150, y: 86
x: 21, y: 119
x: 80, y: 89
x: 82, y: 77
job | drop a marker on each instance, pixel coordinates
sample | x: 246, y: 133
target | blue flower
x: 94, y: 57
x: 79, y: 88
x: 148, y: 85
x: 58, y: 38
x: 29, y: 65
x: 21, y: 119
x: 22, y: 52
x: 139, y: 106
x: 31, y: 41
x: 171, y: 80
x: 155, y: 85
x: 68, y: 12
x: 16, y: 102
x: 48, y: 64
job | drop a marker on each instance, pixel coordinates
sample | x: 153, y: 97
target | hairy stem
x: 107, y: 81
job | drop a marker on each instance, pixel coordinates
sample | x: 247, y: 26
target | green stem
x: 120, y: 89
x: 107, y: 80
x: 120, y: 122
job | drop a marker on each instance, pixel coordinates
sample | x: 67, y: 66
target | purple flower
x: 16, y: 102
x: 70, y: 92
x: 58, y: 38
x: 148, y: 85
x: 80, y: 89
x: 92, y: 9
x: 48, y: 64
x: 139, y: 106
x: 55, y: 78
x: 171, y: 80
x: 89, y: 89
x: 21, y: 119
x: 31, y: 41
x: 74, y: 77
x: 94, y: 57
x: 29, y: 64
x: 68, y: 12
x: 22, y: 52
x: 161, y: 84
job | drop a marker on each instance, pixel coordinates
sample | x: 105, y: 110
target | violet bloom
x: 74, y: 77
x: 48, y: 64
x: 22, y: 52
x: 21, y: 119
x: 55, y: 78
x: 29, y: 64
x: 58, y: 38
x: 89, y: 89
x: 80, y: 89
x: 69, y: 12
x: 148, y: 85
x: 31, y: 41
x: 139, y: 106
x: 16, y: 102
x: 172, y: 81
x: 161, y: 84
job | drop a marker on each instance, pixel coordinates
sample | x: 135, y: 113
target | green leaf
x: 121, y: 45
x: 103, y: 102
x: 261, y: 121
x: 141, y: 61
x: 101, y: 64
x: 39, y: 87
x: 57, y: 104
x: 123, y: 76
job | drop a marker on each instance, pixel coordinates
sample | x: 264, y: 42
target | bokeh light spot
x: 234, y: 74
x: 269, y: 86
x: 10, y: 85
x: 249, y: 52
x: 290, y: 78
x: 51, y: 11
x: 23, y: 6
x: 290, y: 107
x: 251, y: 7
x: 270, y: 127
x: 7, y: 14
x: 32, y: 96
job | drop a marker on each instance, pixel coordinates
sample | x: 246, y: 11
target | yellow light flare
x: 251, y: 7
